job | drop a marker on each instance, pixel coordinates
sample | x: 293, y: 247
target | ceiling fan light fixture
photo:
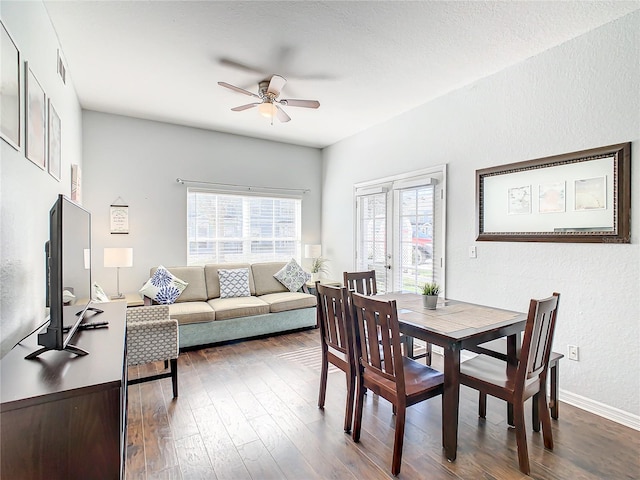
x: 268, y: 109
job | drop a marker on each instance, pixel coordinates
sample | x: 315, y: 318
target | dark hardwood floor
x: 248, y: 410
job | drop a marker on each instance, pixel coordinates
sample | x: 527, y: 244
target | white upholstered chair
x: 153, y: 336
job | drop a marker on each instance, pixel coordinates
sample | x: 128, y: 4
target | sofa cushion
x: 292, y: 276
x: 196, y: 291
x: 192, y: 312
x: 234, y: 282
x: 226, y: 308
x: 281, y: 302
x: 163, y: 286
x: 213, y: 280
x: 263, y: 277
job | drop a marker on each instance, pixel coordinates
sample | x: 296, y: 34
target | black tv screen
x: 68, y: 274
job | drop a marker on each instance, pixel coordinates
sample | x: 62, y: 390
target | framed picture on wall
x: 55, y: 143
x: 9, y: 90
x: 76, y: 183
x: 597, y: 183
x: 36, y: 106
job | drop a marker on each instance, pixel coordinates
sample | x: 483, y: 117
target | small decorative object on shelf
x: 430, y: 292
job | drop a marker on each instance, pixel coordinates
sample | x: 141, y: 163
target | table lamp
x: 118, y: 257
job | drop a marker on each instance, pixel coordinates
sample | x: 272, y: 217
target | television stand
x: 69, y: 348
x: 64, y: 417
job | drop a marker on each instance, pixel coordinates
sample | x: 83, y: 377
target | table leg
x: 451, y: 400
x: 513, y: 353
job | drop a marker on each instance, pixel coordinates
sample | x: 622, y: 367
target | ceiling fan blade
x: 282, y: 115
x: 300, y: 103
x: 276, y: 84
x: 245, y: 107
x: 227, y: 62
x: 237, y: 89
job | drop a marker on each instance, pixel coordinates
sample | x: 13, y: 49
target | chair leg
x: 348, y: 414
x: 357, y: 415
x: 547, y: 435
x: 429, y: 354
x: 521, y: 437
x: 510, y: 414
x: 166, y: 364
x: 482, y: 405
x: 323, y: 379
x: 174, y: 376
x: 398, y: 440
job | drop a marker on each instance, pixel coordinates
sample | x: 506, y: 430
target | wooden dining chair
x: 336, y: 330
x: 365, y: 284
x: 517, y: 383
x: 381, y: 367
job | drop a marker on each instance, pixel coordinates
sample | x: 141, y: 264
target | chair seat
x: 491, y: 371
x: 418, y: 379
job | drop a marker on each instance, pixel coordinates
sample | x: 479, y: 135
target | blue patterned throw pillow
x: 292, y: 276
x: 163, y: 286
x: 234, y: 283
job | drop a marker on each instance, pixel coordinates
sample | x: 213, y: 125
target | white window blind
x: 227, y: 227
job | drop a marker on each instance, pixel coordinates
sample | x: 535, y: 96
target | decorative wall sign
x: 119, y: 216
x: 581, y: 197
x: 55, y: 143
x: 9, y: 90
x: 36, y: 120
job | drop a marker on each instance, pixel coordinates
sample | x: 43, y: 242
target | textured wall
x: 139, y: 161
x: 582, y: 94
x: 27, y: 192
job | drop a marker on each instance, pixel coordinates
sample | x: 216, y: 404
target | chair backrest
x: 538, y: 337
x: 334, y: 318
x: 361, y: 282
x: 377, y: 340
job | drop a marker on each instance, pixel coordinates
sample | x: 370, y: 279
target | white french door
x: 400, y: 230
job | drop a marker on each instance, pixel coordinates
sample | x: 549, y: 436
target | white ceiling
x: 364, y: 61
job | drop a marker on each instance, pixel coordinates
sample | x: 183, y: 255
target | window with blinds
x: 228, y: 227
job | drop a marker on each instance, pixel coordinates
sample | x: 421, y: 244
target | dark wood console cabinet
x: 63, y: 416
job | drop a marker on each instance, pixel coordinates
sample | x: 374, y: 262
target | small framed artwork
x: 76, y: 183
x: 519, y: 200
x: 582, y: 196
x: 9, y: 90
x: 55, y: 143
x: 36, y: 106
x: 551, y: 197
x: 591, y: 194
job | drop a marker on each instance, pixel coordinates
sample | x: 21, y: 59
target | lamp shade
x: 118, y: 257
x: 312, y: 251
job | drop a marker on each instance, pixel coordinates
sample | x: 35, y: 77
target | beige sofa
x: 205, y: 318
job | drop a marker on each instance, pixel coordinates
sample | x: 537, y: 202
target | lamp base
x: 120, y: 296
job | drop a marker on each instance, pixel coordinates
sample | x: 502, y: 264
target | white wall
x: 582, y: 94
x: 139, y: 161
x: 27, y: 192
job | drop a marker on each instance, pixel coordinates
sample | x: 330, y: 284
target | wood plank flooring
x: 248, y: 410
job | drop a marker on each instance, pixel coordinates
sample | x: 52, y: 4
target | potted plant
x: 318, y: 266
x: 430, y: 291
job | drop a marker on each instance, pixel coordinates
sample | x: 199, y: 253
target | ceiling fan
x: 269, y: 104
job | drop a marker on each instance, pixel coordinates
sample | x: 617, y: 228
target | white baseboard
x: 611, y: 413
x: 614, y: 414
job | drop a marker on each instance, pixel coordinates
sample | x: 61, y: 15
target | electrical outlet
x: 573, y: 352
x: 472, y: 252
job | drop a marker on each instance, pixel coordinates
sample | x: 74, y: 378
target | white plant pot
x: 430, y: 301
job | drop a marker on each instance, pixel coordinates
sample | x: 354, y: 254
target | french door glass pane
x: 415, y: 238
x: 372, y: 238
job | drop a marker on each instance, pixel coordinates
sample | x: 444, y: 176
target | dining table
x: 456, y: 326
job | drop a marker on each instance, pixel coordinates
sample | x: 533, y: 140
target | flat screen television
x: 68, y: 260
